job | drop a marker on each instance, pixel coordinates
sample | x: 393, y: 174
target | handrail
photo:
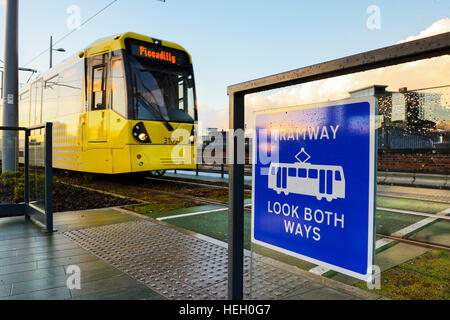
x: 35, y: 127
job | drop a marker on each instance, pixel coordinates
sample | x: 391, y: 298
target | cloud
x: 2, y: 2
x: 211, y: 117
x: 414, y: 75
x: 438, y: 27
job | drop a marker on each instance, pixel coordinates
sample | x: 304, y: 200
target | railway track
x: 413, y: 197
x: 198, y: 184
x: 204, y: 183
x: 416, y: 243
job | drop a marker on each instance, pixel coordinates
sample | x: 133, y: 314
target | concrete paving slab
x: 32, y: 263
x: 5, y: 290
x: 325, y: 293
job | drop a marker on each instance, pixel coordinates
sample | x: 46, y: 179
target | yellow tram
x: 125, y: 104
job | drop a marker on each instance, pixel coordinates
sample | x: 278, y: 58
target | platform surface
x: 125, y: 256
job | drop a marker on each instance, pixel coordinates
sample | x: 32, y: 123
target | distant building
x: 407, y: 119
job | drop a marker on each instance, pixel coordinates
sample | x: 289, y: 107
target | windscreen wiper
x: 153, y: 105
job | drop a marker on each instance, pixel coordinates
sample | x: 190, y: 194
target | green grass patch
x: 160, y: 203
x: 411, y: 205
x: 426, y: 277
x: 434, y: 264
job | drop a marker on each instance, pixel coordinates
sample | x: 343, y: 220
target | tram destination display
x: 158, y: 53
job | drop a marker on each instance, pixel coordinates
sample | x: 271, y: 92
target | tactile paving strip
x: 177, y: 265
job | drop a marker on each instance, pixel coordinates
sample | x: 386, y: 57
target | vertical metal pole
x: 1, y: 91
x: 51, y: 52
x: 27, y: 172
x: 11, y: 86
x: 236, y: 202
x: 48, y: 177
x: 222, y: 166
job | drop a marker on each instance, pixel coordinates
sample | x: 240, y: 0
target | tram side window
x: 24, y: 109
x: 313, y: 174
x: 98, y: 88
x: 338, y: 176
x: 190, y: 96
x: 302, y: 173
x: 32, y: 104
x: 50, y: 98
x: 69, y: 90
x: 118, y: 88
x: 292, y: 172
x: 186, y: 94
x: 181, y: 94
x: 38, y: 103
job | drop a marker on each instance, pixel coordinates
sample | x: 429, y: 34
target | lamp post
x: 51, y: 51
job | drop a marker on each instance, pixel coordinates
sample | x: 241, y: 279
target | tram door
x: 97, y: 118
x: 326, y: 182
x: 282, y: 178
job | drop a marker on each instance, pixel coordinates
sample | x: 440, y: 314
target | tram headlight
x: 142, y: 137
x: 192, y: 137
x: 140, y: 134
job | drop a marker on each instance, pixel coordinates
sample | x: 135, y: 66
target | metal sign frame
x: 372, y: 172
x: 429, y: 47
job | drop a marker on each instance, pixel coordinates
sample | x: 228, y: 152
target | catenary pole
x: 10, y: 86
x: 51, y: 52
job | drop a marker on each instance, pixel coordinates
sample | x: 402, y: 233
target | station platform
x: 126, y: 256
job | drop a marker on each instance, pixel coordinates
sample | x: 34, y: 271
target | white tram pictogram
x: 320, y: 181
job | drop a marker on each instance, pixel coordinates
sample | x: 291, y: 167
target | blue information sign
x: 314, y: 184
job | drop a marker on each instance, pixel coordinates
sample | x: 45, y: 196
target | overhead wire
x: 72, y: 31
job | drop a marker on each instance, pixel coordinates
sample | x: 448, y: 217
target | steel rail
x: 415, y: 242
x: 175, y: 180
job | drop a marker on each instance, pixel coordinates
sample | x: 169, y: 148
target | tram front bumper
x: 162, y: 157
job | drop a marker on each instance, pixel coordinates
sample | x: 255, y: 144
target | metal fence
x: 36, y: 155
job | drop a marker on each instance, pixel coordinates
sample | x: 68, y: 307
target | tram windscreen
x: 163, y: 90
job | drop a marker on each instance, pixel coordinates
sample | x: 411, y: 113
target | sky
x: 231, y: 41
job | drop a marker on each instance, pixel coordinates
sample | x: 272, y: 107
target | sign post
x: 314, y: 182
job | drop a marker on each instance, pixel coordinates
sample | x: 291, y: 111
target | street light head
x: 60, y: 50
